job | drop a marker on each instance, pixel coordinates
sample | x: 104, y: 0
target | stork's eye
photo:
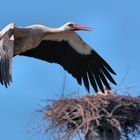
x: 71, y: 25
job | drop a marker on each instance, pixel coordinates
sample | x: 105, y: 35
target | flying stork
x: 56, y: 45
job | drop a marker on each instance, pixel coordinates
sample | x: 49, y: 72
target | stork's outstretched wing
x: 75, y: 56
x: 6, y: 54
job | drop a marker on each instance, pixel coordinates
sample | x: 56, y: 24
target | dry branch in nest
x: 94, y: 113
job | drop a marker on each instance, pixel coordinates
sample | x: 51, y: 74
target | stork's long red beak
x: 81, y: 27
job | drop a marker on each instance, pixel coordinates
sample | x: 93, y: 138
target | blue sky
x: 115, y: 36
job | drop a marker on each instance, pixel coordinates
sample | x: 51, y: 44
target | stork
x: 56, y: 45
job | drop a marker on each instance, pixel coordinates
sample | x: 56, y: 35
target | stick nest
x: 75, y: 116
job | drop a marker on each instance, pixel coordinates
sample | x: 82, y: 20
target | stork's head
x: 70, y: 26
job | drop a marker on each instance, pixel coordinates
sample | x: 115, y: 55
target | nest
x: 69, y: 117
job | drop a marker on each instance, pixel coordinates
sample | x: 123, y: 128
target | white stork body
x: 30, y: 37
x: 56, y: 45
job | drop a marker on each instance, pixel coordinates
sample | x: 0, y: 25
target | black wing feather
x: 92, y: 78
x: 91, y: 68
x: 85, y: 80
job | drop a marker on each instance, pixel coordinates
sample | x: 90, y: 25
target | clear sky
x: 115, y: 36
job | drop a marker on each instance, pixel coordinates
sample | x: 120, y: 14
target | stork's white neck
x: 46, y: 29
x: 55, y: 30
